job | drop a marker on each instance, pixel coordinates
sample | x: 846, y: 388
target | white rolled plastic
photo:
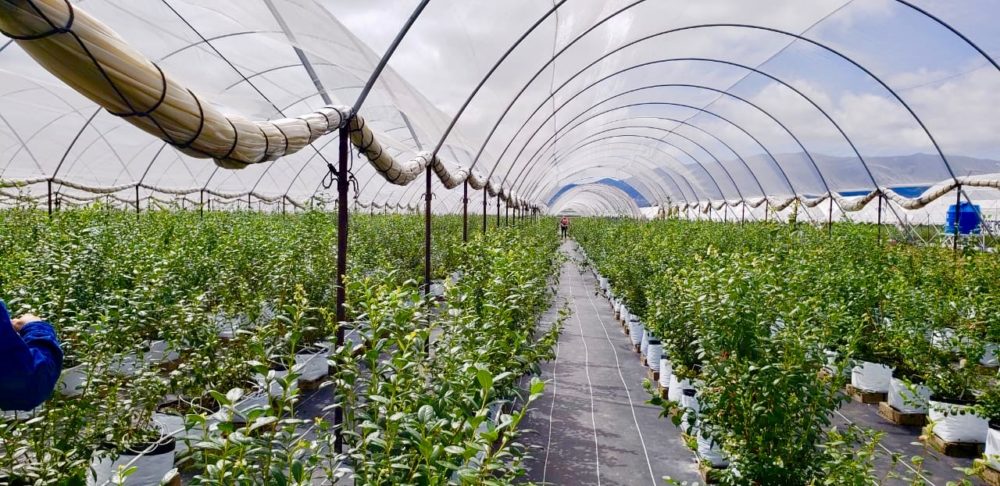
x: 709, y: 451
x: 992, y: 454
x: 666, y: 369
x: 644, y: 343
x: 676, y: 388
x: 150, y: 468
x: 903, y: 398
x: 635, y: 331
x: 990, y: 358
x: 957, y: 423
x: 653, y: 353
x: 871, y: 377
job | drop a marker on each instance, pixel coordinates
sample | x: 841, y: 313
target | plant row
x: 760, y: 328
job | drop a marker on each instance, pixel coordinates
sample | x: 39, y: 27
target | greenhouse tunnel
x: 879, y: 112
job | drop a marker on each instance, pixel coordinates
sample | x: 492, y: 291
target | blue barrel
x: 967, y: 216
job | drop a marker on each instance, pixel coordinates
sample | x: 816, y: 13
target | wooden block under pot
x: 654, y: 376
x: 866, y: 396
x: 890, y: 413
x: 709, y: 474
x: 968, y: 450
x: 637, y: 348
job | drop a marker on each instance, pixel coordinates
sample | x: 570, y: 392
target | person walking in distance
x: 564, y: 227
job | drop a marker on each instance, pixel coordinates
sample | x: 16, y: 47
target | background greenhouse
x: 319, y: 241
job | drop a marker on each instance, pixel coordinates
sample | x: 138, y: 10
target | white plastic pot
x: 992, y: 453
x: 903, y: 398
x: 689, y: 402
x: 173, y: 425
x: 675, y: 390
x: 312, y: 366
x: 666, y: 369
x: 871, y: 377
x: 72, y: 381
x: 653, y: 353
x: 955, y: 422
x: 603, y: 282
x: 152, y: 463
x: 625, y: 315
x: 635, y: 331
x: 644, y: 343
x: 710, y: 452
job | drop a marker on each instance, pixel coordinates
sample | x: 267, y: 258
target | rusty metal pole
x: 342, y: 234
x: 465, y: 211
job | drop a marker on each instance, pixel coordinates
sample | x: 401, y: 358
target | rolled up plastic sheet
x: 635, y: 331
x: 653, y: 353
x: 956, y: 423
x: 871, y: 377
x: 94, y: 60
x: 908, y: 398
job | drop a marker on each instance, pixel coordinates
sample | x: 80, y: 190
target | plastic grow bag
x: 676, y: 388
x: 956, y: 423
x: 993, y: 446
x: 644, y: 343
x: 872, y: 377
x: 666, y: 369
x: 152, y: 463
x: 653, y: 353
x: 902, y: 397
x: 709, y: 451
x: 635, y: 331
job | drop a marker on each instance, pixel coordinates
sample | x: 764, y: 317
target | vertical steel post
x: 427, y: 233
x: 958, y: 205
x: 829, y: 217
x: 498, y: 211
x: 743, y: 213
x: 201, y: 203
x: 50, y: 198
x: 249, y: 205
x: 342, y: 229
x: 486, y: 198
x: 465, y: 211
x: 879, y: 220
x: 767, y: 209
x: 137, y: 201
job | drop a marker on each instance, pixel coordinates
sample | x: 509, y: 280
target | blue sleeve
x: 30, y: 363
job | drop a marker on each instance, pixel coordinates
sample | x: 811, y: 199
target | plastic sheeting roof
x: 687, y: 102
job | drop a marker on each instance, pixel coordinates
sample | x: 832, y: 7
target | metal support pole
x: 767, y: 209
x: 743, y: 213
x: 829, y: 217
x: 958, y: 204
x: 201, y: 203
x: 342, y: 229
x: 50, y: 198
x: 498, y: 211
x: 879, y: 217
x: 249, y: 205
x: 427, y: 234
x: 137, y: 201
x: 465, y: 211
x: 283, y: 201
x: 485, y: 199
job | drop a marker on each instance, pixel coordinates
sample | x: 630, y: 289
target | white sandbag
x: 666, y: 369
x: 992, y: 454
x: 635, y: 331
x: 871, y: 377
x: 644, y: 342
x: 956, y: 423
x: 653, y: 353
x: 903, y: 398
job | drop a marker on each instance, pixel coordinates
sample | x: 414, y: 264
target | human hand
x: 25, y: 319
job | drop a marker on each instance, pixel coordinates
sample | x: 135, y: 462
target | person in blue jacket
x: 30, y: 361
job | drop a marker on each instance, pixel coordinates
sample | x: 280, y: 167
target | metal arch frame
x: 694, y: 59
x: 633, y: 168
x: 647, y: 164
x: 815, y: 43
x: 725, y: 93
x: 669, y: 132
x: 601, y: 192
x: 531, y: 189
x: 739, y: 127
